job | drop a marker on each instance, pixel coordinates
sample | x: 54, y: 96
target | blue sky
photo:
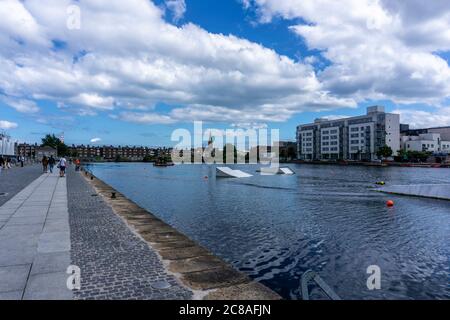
x: 136, y: 71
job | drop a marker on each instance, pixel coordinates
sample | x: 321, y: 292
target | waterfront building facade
x: 26, y: 150
x: 114, y: 152
x: 7, y: 145
x: 425, y: 142
x: 443, y: 131
x: 355, y: 138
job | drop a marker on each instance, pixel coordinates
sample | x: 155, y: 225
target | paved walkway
x: 12, y: 181
x: 35, y: 241
x: 115, y: 263
x: 56, y: 222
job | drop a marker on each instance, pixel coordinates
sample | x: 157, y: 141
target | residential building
x: 443, y: 131
x: 287, y: 150
x: 113, y: 152
x: 45, y: 151
x: 7, y: 145
x: 26, y: 150
x: 427, y: 142
x: 355, y: 138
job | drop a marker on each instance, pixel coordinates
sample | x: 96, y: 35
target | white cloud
x: 6, y: 125
x: 378, y: 49
x: 95, y: 140
x: 425, y: 118
x: 20, y: 105
x: 178, y: 8
x: 145, y: 118
x: 125, y: 56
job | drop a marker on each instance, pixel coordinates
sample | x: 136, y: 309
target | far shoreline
x: 383, y: 164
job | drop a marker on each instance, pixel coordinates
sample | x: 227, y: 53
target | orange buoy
x: 390, y: 203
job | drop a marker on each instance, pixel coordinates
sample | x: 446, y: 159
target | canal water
x: 324, y: 218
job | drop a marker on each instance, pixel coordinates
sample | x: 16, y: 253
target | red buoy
x: 390, y: 203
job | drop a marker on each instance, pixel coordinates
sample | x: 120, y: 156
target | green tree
x: 291, y: 153
x: 419, y: 156
x: 50, y: 140
x: 148, y: 158
x: 225, y: 153
x: 403, y: 155
x: 385, y: 152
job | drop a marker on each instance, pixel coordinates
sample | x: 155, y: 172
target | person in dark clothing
x: 51, y: 163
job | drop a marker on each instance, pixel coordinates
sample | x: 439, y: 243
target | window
x: 333, y: 131
x: 354, y: 135
x: 334, y: 143
x: 354, y: 142
x: 354, y: 129
x: 326, y: 143
x: 326, y: 138
x: 334, y: 137
x: 326, y: 132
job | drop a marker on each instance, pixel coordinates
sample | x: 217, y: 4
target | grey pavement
x: 53, y: 223
x: 115, y: 263
x: 15, y: 179
x: 35, y: 241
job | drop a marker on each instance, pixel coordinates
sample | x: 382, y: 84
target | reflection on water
x: 325, y: 218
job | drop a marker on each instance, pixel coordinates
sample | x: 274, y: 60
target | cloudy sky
x: 130, y: 72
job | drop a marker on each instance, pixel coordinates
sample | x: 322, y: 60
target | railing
x: 311, y: 276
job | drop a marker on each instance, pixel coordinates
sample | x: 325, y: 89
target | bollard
x: 113, y: 195
x: 92, y: 177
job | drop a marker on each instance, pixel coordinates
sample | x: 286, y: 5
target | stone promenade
x: 35, y: 241
x: 115, y: 263
x: 43, y: 231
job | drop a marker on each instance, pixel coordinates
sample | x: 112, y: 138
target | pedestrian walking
x: 45, y: 164
x: 77, y: 164
x: 22, y: 160
x: 62, y: 167
x: 51, y: 163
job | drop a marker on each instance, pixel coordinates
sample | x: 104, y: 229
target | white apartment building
x: 355, y: 138
x: 7, y: 145
x: 430, y: 142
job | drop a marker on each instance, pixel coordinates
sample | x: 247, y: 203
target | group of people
x: 9, y: 162
x: 49, y: 163
x: 5, y: 163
